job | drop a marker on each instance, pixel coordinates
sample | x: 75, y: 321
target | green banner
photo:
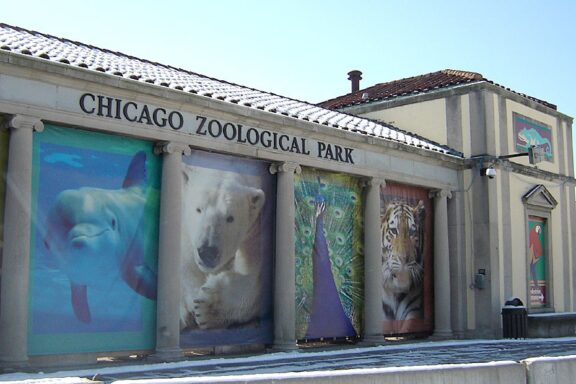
x: 93, y: 263
x: 329, y: 255
x: 537, y: 262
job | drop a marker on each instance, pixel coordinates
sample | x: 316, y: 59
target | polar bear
x: 221, y: 257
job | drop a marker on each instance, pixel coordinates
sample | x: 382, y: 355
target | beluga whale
x: 97, y: 237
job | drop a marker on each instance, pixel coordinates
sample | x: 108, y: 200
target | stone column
x: 169, y: 253
x: 373, y: 264
x: 442, y: 302
x: 16, y: 254
x: 285, y: 263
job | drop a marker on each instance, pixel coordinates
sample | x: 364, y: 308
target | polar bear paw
x: 206, y: 308
x: 225, y: 299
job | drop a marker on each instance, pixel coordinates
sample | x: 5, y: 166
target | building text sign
x: 133, y: 112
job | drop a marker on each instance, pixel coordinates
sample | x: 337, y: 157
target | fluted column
x: 169, y: 253
x: 285, y: 263
x: 16, y: 253
x: 442, y: 305
x: 373, y: 264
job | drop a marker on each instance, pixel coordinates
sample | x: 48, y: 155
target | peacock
x: 329, y: 255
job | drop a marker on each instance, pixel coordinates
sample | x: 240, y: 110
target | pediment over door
x: 540, y: 196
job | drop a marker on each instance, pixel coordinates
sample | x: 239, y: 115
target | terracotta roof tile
x: 413, y: 86
x: 20, y: 41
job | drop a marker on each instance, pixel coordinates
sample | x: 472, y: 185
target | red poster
x: 537, y: 262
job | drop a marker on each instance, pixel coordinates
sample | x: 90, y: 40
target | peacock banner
x: 228, y: 246
x: 329, y: 255
x: 406, y: 225
x: 94, y: 243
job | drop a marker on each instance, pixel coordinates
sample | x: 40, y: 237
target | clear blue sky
x: 304, y: 48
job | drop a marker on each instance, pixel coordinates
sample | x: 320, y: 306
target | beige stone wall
x: 519, y: 185
x: 427, y: 118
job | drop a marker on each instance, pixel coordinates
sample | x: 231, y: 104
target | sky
x: 303, y: 49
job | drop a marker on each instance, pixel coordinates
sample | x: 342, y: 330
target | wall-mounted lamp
x: 490, y: 172
x: 535, y: 155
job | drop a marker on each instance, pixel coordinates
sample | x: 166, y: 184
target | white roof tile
x: 21, y: 41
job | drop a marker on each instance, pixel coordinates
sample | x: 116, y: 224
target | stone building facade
x: 151, y: 210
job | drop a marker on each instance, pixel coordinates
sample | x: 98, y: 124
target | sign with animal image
x: 406, y: 226
x: 94, y: 243
x: 538, y: 283
x: 329, y: 255
x: 529, y: 132
x: 228, y: 248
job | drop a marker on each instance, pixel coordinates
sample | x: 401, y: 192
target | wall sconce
x: 490, y: 172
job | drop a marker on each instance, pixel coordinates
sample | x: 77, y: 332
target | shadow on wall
x: 3, y: 165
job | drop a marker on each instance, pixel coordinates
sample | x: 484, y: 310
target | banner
x: 95, y: 206
x: 228, y: 247
x: 528, y: 132
x: 329, y: 255
x: 406, y: 225
x: 537, y: 262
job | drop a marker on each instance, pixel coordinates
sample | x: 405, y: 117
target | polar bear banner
x: 226, y: 246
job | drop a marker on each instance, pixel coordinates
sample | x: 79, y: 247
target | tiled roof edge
x: 213, y: 88
x: 117, y: 53
x: 466, y: 76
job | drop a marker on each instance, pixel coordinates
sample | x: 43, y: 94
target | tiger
x: 402, y: 228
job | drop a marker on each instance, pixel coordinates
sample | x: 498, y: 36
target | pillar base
x: 165, y: 355
x: 284, y: 346
x: 14, y: 366
x: 445, y: 334
x: 371, y: 341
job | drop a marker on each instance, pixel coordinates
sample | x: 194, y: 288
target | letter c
x: 82, y: 103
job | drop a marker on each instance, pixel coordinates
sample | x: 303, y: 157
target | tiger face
x: 402, y: 226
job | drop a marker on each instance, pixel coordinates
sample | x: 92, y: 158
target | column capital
x: 374, y: 181
x: 287, y: 166
x: 440, y: 193
x: 171, y: 147
x: 23, y: 121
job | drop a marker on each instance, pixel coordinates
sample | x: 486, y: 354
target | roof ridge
x: 465, y: 74
x: 414, y: 85
x: 451, y: 72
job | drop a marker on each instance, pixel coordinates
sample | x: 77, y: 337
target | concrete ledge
x: 550, y: 370
x: 551, y: 324
x: 504, y: 372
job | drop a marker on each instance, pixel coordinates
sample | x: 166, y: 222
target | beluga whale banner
x: 94, y: 243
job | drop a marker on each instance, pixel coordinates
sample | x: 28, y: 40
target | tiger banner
x: 407, y: 275
x: 329, y: 256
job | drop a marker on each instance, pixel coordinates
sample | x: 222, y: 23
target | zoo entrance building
x: 149, y: 210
